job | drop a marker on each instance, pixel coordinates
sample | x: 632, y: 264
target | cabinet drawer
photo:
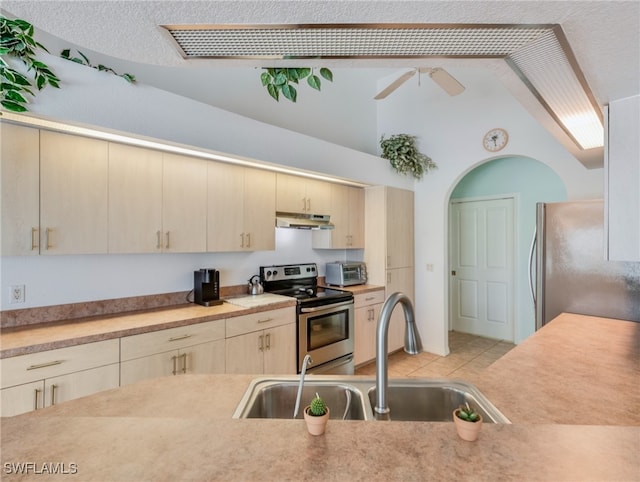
x: 137, y: 346
x: 260, y: 321
x: 52, y: 363
x: 371, y: 298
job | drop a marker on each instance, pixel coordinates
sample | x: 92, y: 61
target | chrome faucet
x: 303, y: 370
x: 412, y: 345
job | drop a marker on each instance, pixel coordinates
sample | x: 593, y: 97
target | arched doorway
x: 526, y: 182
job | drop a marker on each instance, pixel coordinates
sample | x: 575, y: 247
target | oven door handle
x: 325, y: 307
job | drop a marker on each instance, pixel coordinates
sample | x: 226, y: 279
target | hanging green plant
x: 83, y: 60
x: 401, y: 151
x: 16, y: 40
x: 283, y: 80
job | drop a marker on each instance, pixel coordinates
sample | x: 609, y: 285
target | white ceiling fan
x: 440, y: 76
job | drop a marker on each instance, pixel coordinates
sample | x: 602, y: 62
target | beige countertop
x: 49, y: 336
x: 180, y: 428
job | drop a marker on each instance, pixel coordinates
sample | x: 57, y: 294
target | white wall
x: 450, y: 131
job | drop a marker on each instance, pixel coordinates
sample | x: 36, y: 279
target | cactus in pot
x: 316, y: 415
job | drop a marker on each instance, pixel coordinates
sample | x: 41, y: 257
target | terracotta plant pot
x: 467, y: 430
x: 316, y: 424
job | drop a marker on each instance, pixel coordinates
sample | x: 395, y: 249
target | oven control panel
x: 288, y: 272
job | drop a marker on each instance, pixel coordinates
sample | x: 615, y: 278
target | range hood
x: 303, y: 221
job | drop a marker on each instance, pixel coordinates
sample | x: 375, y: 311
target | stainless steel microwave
x: 346, y: 274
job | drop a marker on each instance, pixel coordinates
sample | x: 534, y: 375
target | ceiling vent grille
x: 351, y: 41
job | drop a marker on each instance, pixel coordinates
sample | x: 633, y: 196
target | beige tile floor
x: 469, y: 355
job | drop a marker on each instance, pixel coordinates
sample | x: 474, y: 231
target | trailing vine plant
x: 401, y: 151
x: 16, y: 40
x: 83, y: 60
x: 283, y: 80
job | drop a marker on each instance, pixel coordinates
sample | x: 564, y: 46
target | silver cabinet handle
x: 268, y: 338
x: 34, y: 239
x: 266, y: 320
x: 309, y: 204
x: 53, y: 394
x: 248, y: 240
x: 174, y: 359
x: 370, y: 298
x: 44, y: 365
x: 181, y: 337
x: 304, y: 204
x: 184, y: 362
x: 46, y: 238
x: 158, y: 240
x: 242, y: 240
x: 35, y: 398
x: 168, y: 240
x: 261, y: 343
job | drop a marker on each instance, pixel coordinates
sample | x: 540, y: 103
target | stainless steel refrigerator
x: 571, y: 273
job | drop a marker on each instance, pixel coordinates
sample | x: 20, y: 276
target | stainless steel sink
x: 412, y: 399
x: 434, y: 400
x: 271, y: 398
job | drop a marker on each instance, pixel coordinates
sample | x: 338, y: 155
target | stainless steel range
x: 325, y: 317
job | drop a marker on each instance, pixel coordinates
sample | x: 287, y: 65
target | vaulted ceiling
x: 604, y: 36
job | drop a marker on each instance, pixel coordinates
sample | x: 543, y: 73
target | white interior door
x: 481, y: 263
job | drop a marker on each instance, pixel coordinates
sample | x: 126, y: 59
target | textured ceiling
x: 604, y: 35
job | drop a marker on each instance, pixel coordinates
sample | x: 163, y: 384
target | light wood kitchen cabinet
x: 347, y: 216
x: 302, y: 195
x: 135, y: 199
x: 622, y: 180
x: 184, y: 204
x: 20, y: 157
x: 197, y: 348
x: 389, y: 246
x: 73, y: 194
x: 262, y: 343
x: 402, y: 280
x: 38, y: 380
x: 241, y: 208
x: 367, y: 308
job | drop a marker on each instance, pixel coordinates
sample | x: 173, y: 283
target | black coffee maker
x: 206, y: 287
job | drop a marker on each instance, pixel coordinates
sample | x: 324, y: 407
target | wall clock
x: 495, y: 139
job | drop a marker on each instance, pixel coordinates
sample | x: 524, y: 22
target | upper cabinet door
x: 302, y: 195
x: 135, y: 199
x: 356, y: 217
x: 184, y: 204
x: 225, y: 214
x: 399, y: 228
x: 20, y: 156
x: 291, y: 194
x: 73, y: 194
x: 260, y: 209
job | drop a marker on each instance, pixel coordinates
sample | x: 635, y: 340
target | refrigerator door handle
x: 532, y: 251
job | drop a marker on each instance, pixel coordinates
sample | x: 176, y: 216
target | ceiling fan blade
x: 395, y: 84
x: 445, y: 80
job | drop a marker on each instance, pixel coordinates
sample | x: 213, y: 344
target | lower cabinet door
x: 152, y: 366
x: 245, y: 353
x: 280, y: 350
x: 203, y: 358
x: 22, y: 398
x: 365, y: 333
x: 80, y: 384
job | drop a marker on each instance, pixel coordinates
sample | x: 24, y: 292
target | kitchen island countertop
x: 180, y: 428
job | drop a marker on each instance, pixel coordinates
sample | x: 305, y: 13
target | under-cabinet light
x: 164, y: 146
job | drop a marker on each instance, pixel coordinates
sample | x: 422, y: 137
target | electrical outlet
x: 17, y: 294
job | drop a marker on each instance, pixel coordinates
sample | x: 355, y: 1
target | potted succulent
x: 468, y: 422
x: 316, y: 415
